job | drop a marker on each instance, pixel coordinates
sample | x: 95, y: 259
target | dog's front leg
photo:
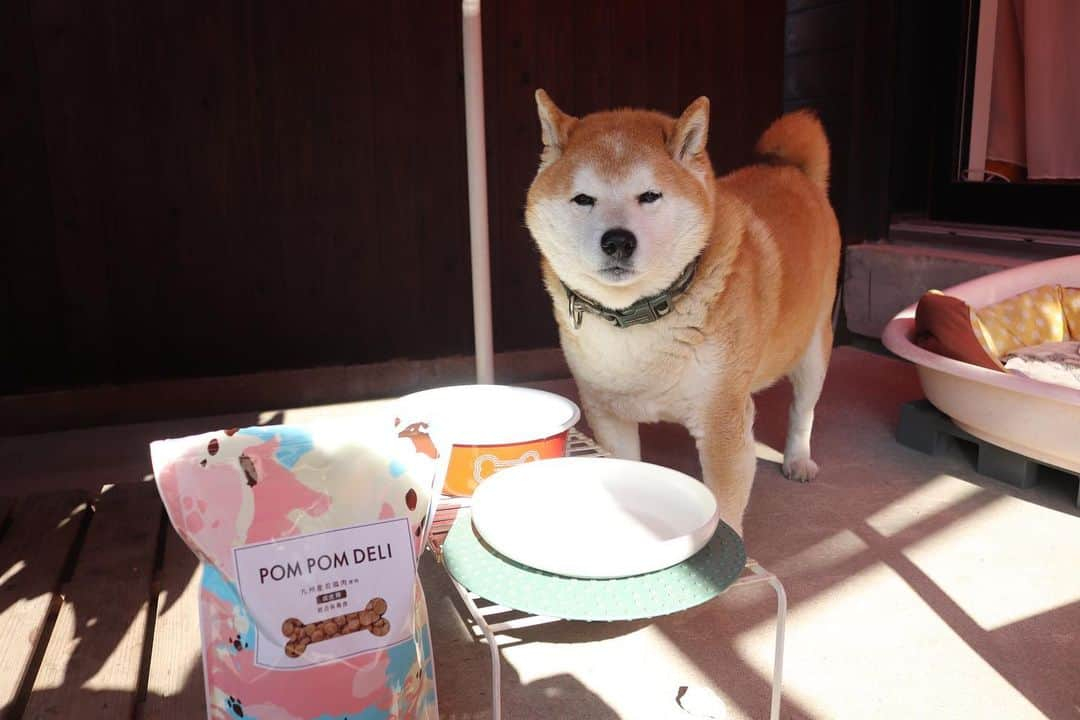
x: 615, y: 434
x: 725, y: 440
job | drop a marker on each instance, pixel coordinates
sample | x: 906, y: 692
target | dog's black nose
x: 618, y: 243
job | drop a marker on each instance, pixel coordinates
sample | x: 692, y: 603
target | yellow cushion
x: 1070, y: 303
x: 1030, y: 318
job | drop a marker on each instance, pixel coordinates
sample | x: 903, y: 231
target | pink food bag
x: 310, y: 605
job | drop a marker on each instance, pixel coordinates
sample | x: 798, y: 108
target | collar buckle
x: 576, y: 308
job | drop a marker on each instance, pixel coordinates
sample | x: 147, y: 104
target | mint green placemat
x: 501, y: 580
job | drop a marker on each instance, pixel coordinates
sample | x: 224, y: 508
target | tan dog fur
x: 759, y: 307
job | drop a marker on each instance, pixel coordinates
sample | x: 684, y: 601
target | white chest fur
x: 645, y: 373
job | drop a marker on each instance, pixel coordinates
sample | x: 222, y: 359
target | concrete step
x: 881, y: 279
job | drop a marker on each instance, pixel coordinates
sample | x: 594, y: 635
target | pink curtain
x: 1035, y: 91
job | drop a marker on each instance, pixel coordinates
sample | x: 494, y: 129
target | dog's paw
x: 800, y: 469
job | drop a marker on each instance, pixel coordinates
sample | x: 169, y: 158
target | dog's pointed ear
x: 554, y: 127
x: 691, y: 132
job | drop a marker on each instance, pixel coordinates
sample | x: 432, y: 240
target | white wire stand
x: 580, y: 445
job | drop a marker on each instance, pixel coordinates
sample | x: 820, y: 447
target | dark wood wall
x: 207, y: 188
x: 839, y: 59
x: 919, y: 67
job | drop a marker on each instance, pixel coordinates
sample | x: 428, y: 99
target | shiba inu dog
x: 679, y: 294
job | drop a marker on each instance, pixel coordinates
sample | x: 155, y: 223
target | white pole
x: 478, y: 210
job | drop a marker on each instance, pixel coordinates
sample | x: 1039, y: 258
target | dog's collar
x: 643, y: 311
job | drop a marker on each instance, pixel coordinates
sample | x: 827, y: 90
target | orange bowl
x: 478, y: 430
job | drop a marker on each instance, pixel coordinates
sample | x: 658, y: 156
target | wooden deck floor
x: 99, y: 605
x: 99, y: 608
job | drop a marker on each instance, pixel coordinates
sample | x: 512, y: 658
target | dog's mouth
x: 617, y: 274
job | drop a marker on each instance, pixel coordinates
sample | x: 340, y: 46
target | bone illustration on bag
x: 301, y: 634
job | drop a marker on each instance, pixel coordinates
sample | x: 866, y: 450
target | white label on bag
x: 328, y: 595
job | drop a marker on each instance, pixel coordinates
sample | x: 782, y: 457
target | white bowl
x: 594, y: 517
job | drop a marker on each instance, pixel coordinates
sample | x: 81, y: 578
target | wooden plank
x: 762, y: 71
x: 33, y: 552
x: 825, y: 74
x: 824, y: 28
x: 93, y: 659
x: 7, y: 506
x: 796, y: 6
x: 34, y: 351
x: 72, y: 67
x: 523, y: 41
x: 421, y: 231
x: 872, y: 113
x: 175, y: 690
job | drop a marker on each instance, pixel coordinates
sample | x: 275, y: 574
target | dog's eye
x: 583, y: 199
x: 649, y: 197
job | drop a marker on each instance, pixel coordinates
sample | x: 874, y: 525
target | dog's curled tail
x: 798, y: 139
